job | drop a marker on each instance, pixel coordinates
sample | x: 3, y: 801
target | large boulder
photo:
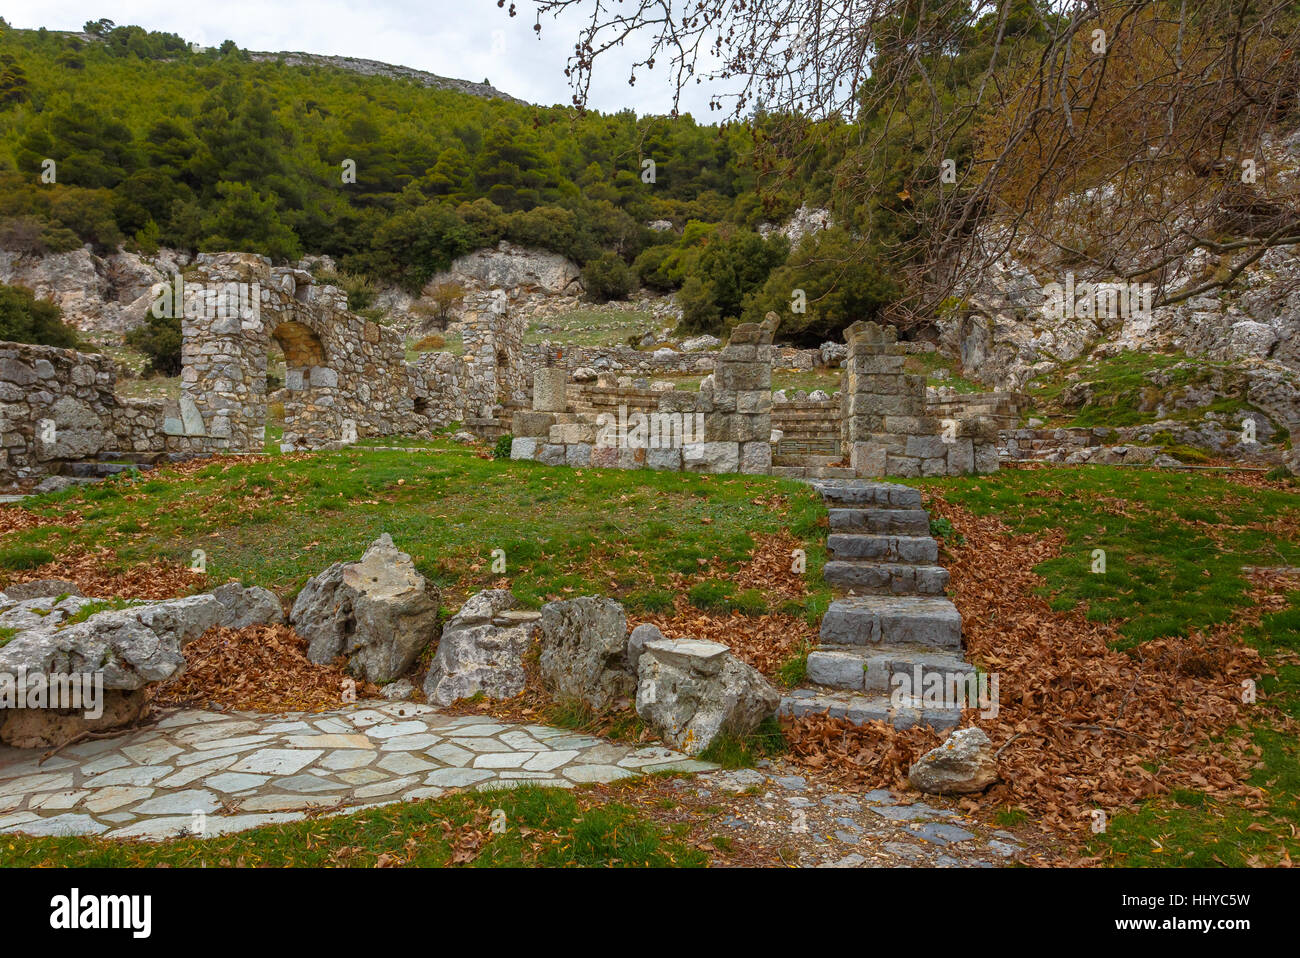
x: 481, y: 650
x: 380, y: 613
x: 691, y: 691
x: 965, y: 762
x: 509, y: 266
x: 121, y: 651
x: 584, y: 651
x: 243, y: 607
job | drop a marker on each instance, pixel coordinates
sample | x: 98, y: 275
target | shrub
x: 26, y: 319
x: 430, y: 343
x: 607, y: 277
x: 159, y: 338
x: 502, y: 449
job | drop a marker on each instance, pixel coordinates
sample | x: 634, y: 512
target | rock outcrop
x: 510, y: 267
x: 584, y: 651
x: 691, y: 691
x: 481, y: 650
x: 380, y: 613
x: 116, y: 652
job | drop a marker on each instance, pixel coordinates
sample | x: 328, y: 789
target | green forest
x: 120, y: 136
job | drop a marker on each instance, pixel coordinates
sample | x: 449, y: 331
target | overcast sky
x: 467, y: 39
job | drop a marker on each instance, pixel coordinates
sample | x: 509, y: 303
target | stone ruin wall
x: 725, y: 427
x: 881, y: 424
x: 59, y: 406
x: 346, y: 376
x: 884, y: 424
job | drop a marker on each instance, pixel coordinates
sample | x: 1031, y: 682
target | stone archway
x: 311, y: 386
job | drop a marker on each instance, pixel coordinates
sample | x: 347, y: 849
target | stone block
x: 664, y: 460
x: 523, y: 447
x: 935, y: 467
x: 605, y: 457
x: 549, y: 389
x: 712, y: 457
x: 961, y: 457
x: 927, y: 447
x: 986, y: 457
x: 756, y: 458
x: 552, y: 454
x: 868, y: 459
x: 577, y: 454
x: 576, y: 432
x: 526, y: 422
x: 904, y: 466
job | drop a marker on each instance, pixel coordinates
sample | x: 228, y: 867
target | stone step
x: 882, y: 548
x: 885, y: 578
x: 900, y: 522
x: 860, y: 669
x: 892, y: 620
x: 829, y: 472
x: 861, y: 709
x: 99, y: 470
x: 807, y: 460
x: 882, y: 495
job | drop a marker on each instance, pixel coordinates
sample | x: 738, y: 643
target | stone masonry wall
x: 346, y: 376
x: 884, y: 425
x: 58, y: 405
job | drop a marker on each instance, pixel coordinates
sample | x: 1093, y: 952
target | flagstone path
x: 219, y: 772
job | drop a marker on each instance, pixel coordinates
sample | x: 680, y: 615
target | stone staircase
x: 892, y: 617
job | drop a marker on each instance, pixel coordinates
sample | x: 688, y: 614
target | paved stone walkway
x: 816, y: 825
x: 225, y: 772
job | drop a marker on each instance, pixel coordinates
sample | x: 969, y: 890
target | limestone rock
x: 698, y: 343
x: 481, y: 650
x: 380, y: 613
x: 636, y: 643
x: 40, y: 589
x: 691, y: 691
x: 245, y: 607
x: 398, y: 691
x: 963, y: 763
x: 509, y: 267
x: 584, y: 651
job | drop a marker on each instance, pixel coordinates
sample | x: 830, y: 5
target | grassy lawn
x: 526, y: 826
x: 593, y: 326
x: 1175, y: 545
x: 277, y: 521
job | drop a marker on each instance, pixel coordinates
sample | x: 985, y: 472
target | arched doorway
x: 310, y: 386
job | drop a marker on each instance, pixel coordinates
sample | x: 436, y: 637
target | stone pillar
x: 549, y: 383
x: 884, y: 423
x: 738, y: 413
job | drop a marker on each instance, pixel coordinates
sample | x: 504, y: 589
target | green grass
x: 538, y: 827
x: 716, y: 595
x: 90, y: 608
x: 24, y: 555
x: 1165, y: 573
x: 592, y: 326
x: 565, y: 532
x: 1173, y: 564
x: 7, y: 633
x: 731, y: 751
x: 1123, y: 396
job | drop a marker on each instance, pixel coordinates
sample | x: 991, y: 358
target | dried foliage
x: 263, y: 668
x: 1081, y: 725
x: 1111, y: 132
x: 18, y: 519
x: 93, y: 575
